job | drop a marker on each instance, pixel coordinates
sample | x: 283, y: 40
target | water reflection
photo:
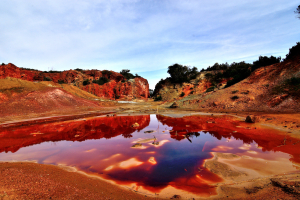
x: 176, y: 160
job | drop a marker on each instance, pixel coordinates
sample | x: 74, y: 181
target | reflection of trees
x: 268, y: 139
x: 127, y: 135
x: 77, y: 130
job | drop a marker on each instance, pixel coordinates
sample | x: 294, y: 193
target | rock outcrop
x: 173, y: 91
x: 117, y: 87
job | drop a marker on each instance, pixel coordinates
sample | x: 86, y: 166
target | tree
x: 126, y: 73
x: 298, y: 11
x: 265, y: 61
x: 180, y: 74
x: 293, y: 52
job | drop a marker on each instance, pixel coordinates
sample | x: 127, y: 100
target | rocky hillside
x: 266, y: 85
x: 169, y: 91
x: 271, y: 88
x: 104, y: 84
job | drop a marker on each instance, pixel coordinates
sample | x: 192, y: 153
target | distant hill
x: 104, y: 84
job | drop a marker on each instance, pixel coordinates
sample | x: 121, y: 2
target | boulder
x: 252, y: 119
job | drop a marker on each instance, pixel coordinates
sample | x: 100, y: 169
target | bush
x: 212, y: 88
x: 60, y: 81
x: 86, y: 82
x: 80, y: 70
x: 293, y: 52
x: 106, y: 72
x: 182, y: 94
x: 265, y: 61
x: 101, y: 81
x: 47, y: 78
x: 158, y: 98
x: 294, y: 81
x: 126, y: 73
x: 117, y: 96
x: 2, y: 64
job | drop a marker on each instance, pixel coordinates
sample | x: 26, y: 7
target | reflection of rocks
x: 152, y: 131
x: 155, y: 143
x: 135, y: 125
x: 136, y: 145
x: 74, y: 130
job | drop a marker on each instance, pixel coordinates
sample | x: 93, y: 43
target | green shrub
x: 265, y: 61
x: 101, y: 81
x: 2, y: 64
x: 290, y: 86
x: 126, y: 73
x: 158, y: 98
x: 212, y: 88
x: 47, y: 78
x: 106, y: 72
x: 60, y: 81
x: 86, y: 82
x: 293, y: 52
x: 294, y: 81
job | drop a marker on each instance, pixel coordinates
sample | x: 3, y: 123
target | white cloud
x: 143, y: 36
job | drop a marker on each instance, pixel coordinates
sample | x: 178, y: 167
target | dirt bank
x: 23, y: 180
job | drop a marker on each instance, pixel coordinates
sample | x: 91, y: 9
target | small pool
x: 153, y: 153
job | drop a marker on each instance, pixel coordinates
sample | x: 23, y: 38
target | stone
x: 252, y: 119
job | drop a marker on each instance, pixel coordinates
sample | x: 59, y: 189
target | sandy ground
x: 36, y: 181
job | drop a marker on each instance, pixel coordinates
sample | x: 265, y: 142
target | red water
x: 102, y: 146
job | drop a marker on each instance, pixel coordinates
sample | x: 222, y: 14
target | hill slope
x: 25, y: 99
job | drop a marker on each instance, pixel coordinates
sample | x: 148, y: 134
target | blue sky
x: 145, y: 36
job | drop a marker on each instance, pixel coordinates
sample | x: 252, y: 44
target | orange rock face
x: 117, y: 87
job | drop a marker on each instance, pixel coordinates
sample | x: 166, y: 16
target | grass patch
x: 212, y: 88
x: 158, y: 98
